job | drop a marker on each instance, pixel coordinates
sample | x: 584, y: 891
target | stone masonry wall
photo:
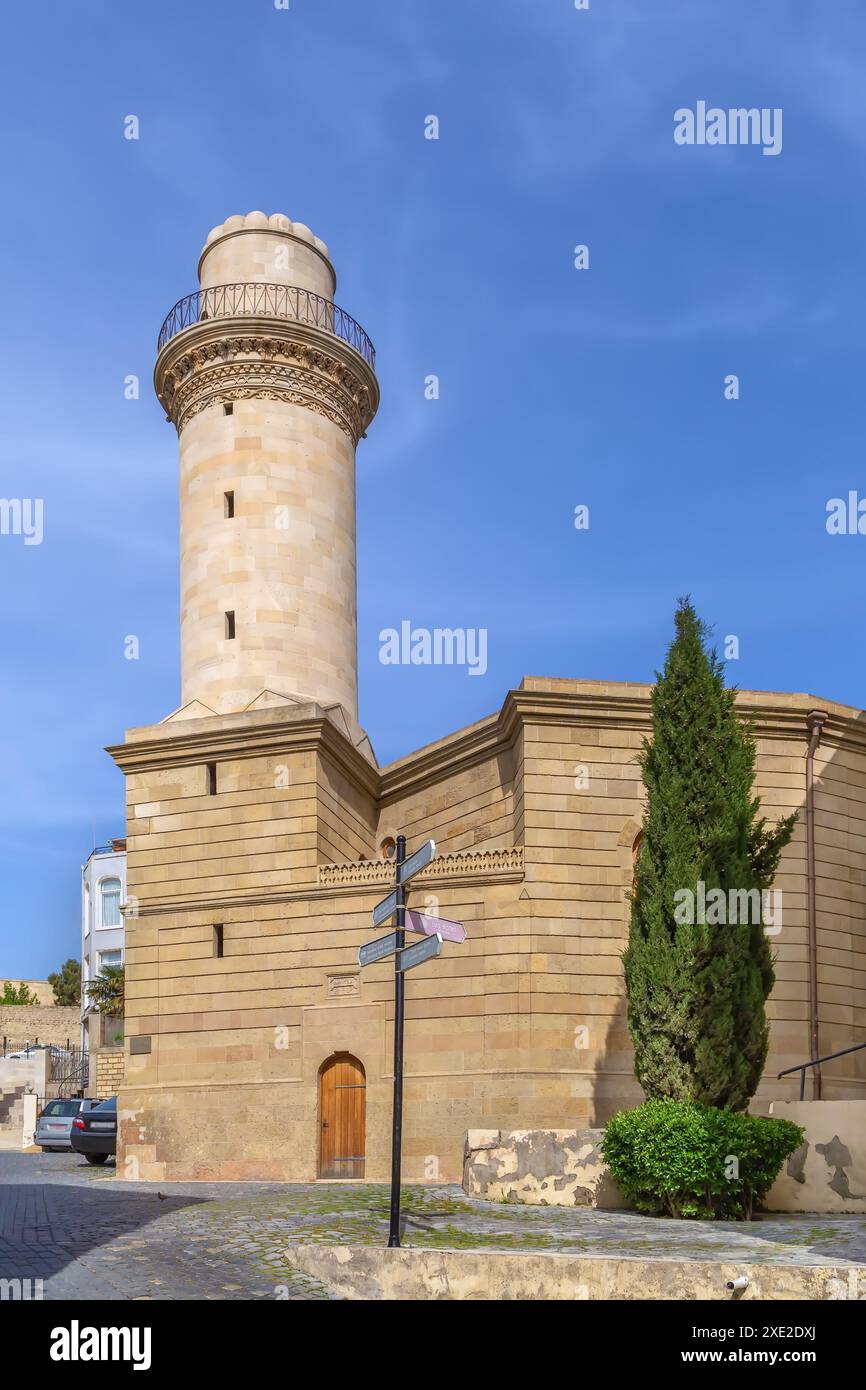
x: 23, y: 1023
x: 40, y: 989
x: 109, y: 1072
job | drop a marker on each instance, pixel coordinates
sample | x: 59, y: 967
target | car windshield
x: 62, y: 1107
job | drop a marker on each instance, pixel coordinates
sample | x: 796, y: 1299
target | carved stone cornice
x: 243, y: 358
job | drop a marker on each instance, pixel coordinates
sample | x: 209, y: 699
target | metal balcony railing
x: 266, y: 301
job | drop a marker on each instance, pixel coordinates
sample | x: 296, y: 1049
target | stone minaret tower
x: 270, y: 386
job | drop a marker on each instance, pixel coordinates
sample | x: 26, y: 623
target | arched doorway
x: 342, y: 1117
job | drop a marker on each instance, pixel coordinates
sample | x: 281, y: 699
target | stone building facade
x: 258, y: 820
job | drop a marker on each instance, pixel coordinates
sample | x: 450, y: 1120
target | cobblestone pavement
x: 89, y: 1235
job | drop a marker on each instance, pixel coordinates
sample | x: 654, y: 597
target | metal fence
x: 69, y: 1064
x: 70, y: 1071
x: 8, y: 1046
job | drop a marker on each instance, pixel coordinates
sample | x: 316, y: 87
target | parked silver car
x: 54, y: 1124
x: 23, y: 1054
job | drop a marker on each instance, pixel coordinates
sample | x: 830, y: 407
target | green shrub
x: 17, y: 994
x: 677, y: 1158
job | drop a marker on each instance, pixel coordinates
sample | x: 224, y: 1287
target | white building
x: 103, y: 890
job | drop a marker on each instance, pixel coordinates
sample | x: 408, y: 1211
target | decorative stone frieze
x: 500, y: 864
x: 198, y: 370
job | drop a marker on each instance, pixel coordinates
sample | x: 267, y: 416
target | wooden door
x: 342, y: 1118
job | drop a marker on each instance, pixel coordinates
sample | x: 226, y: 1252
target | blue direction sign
x: 417, y: 861
x: 417, y: 954
x: 378, y: 950
x: 385, y: 909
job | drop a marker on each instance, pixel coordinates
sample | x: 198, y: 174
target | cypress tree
x: 696, y: 989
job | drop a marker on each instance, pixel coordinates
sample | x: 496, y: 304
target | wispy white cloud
x: 601, y: 86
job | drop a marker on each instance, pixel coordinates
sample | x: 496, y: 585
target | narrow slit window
x: 218, y: 941
x: 229, y: 499
x: 211, y: 779
x: 230, y: 626
x: 228, y: 408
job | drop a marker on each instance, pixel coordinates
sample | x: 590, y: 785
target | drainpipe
x: 815, y: 721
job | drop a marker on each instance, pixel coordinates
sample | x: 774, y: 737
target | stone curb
x: 373, y: 1273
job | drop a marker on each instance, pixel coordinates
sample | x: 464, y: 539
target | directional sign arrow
x: 378, y: 950
x: 417, y: 954
x: 417, y: 861
x: 385, y: 909
x: 432, y: 926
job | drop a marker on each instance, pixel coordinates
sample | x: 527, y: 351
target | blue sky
x: 558, y: 387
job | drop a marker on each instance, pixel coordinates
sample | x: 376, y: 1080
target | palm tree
x: 107, y: 990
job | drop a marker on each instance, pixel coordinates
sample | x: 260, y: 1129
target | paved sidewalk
x: 90, y: 1235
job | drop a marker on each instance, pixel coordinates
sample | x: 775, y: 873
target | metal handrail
x: 266, y: 301
x: 73, y: 1072
x: 816, y: 1062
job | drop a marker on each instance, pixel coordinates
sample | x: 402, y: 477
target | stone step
x: 11, y: 1102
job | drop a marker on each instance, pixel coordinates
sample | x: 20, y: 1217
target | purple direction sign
x: 434, y: 926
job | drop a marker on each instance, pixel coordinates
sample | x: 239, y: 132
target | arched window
x: 109, y: 900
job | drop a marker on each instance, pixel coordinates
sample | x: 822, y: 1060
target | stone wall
x: 21, y: 1083
x: 108, y: 1070
x: 25, y: 1023
x: 41, y: 989
x: 564, y: 1167
x: 828, y: 1173
x: 368, y: 1273
x: 547, y: 1168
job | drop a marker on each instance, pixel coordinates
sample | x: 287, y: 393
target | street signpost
x: 421, y: 951
x: 434, y: 930
x: 378, y: 950
x: 399, y: 993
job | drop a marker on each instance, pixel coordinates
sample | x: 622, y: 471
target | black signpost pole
x: 397, y: 1131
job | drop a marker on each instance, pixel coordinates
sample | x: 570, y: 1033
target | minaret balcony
x: 250, y: 299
